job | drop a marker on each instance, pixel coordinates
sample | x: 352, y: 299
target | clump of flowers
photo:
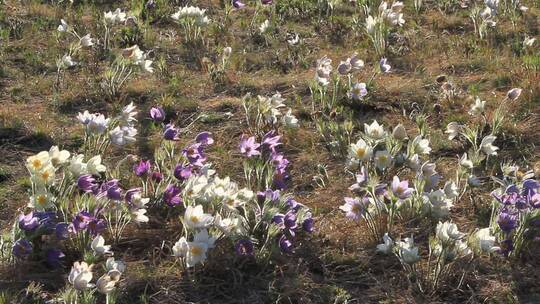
x: 263, y: 113
x: 192, y: 19
x: 378, y: 27
x: 515, y: 215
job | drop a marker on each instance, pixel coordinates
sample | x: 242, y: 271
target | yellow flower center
x: 360, y: 152
x: 196, y: 250
x: 36, y: 163
x: 41, y: 200
x: 45, y: 175
x: 194, y: 219
x: 383, y: 158
x: 355, y: 208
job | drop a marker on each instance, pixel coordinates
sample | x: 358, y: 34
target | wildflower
x: 448, y: 232
x: 264, y: 26
x: 371, y: 24
x: 293, y: 39
x: 195, y: 217
x: 451, y: 190
x: 356, y: 63
x: 66, y: 62
x: 248, y: 147
x: 157, y: 114
x: 384, y: 66
x: 507, y: 221
x: 61, y: 231
x: 115, y: 17
x: 80, y: 275
x: 237, y: 4
x: 204, y: 138
x: 94, y: 166
x: 401, y: 188
x: 289, y: 120
x: 478, y: 107
x: 41, y: 200
x: 344, y: 67
x: 85, y: 117
x: 361, y: 179
x: 97, y: 124
x: 465, y: 162
x: 244, y: 247
x: 107, y: 282
x: 399, y: 132
x: 171, y: 195
x: 112, y: 264
x: 123, y: 135
x: 308, y: 224
x: 170, y: 132
x: 45, y: 176
x: 358, y: 91
x: 355, y: 209
x: 127, y: 117
x: 22, y: 248
x: 514, y: 93
x: 324, y: 68
x: 28, y: 222
x: 360, y: 151
x: 473, y: 180
x: 63, y: 27
x: 453, y: 129
x: 156, y: 176
x: 267, y: 2
x: 383, y: 159
x: 142, y: 168
x: 99, y: 247
x: 387, y: 245
x: 485, y: 240
x: 285, y: 244
x: 87, y: 183
x: 37, y: 162
x: 487, y: 145
x: 375, y: 130
x: 286, y: 221
x: 420, y: 145
x: 86, y: 41
x: 407, y: 252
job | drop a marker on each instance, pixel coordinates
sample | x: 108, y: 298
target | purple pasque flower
x: 380, y: 189
x: 157, y: 114
x: 22, y: 248
x: 28, y: 222
x: 237, y: 4
x: 401, y: 188
x: 271, y: 141
x: 248, y: 146
x: 354, y: 208
x: 534, y: 201
x: 361, y: 180
x: 267, y: 2
x: 292, y: 204
x: 308, y: 225
x: 244, y: 247
x: 279, y: 161
x: 286, y: 221
x: 53, y: 257
x: 97, y: 226
x: 87, y: 183
x: 183, y: 172
x: 195, y: 154
x: 507, y: 221
x: 172, y: 195
x: 111, y: 190
x: 508, y: 198
x: 142, y: 168
x: 530, y: 186
x: 285, y: 244
x: 170, y: 133
x: 204, y: 138
x: 269, y: 194
x: 156, y: 176
x: 279, y: 179
x: 61, y: 231
x: 81, y: 220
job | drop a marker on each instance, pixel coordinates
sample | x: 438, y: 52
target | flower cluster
x: 379, y: 27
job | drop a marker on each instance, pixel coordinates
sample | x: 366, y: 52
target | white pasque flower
x: 399, y: 132
x: 448, y: 232
x: 383, y: 159
x: 107, y: 282
x: 80, y: 275
x: 487, y: 145
x: 465, y: 162
x: 121, y: 136
x: 99, y: 247
x: 41, y: 200
x: 194, y: 252
x: 58, y: 157
x: 97, y: 124
x: 478, y: 107
x: 87, y: 41
x: 63, y: 27
x: 359, y: 151
x: 36, y: 163
x: 94, y: 166
x: 387, y: 245
x: 453, y: 129
x: 407, y: 252
x: 358, y: 91
x: 117, y: 16
x: 421, y: 145
x: 451, y: 190
x: 374, y: 130
x: 264, y: 26
x: 289, y: 120
x: 196, y: 218
x: 66, y: 62
x: 485, y: 241
x: 76, y: 165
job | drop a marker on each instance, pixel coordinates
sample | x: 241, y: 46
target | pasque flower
x: 401, y: 188
x: 80, y: 275
x: 171, y: 195
x: 87, y: 183
x: 354, y: 208
x: 157, y: 114
x: 248, y: 146
x: 170, y: 133
x: 28, y: 222
x: 22, y: 248
x: 142, y: 168
x: 244, y: 247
